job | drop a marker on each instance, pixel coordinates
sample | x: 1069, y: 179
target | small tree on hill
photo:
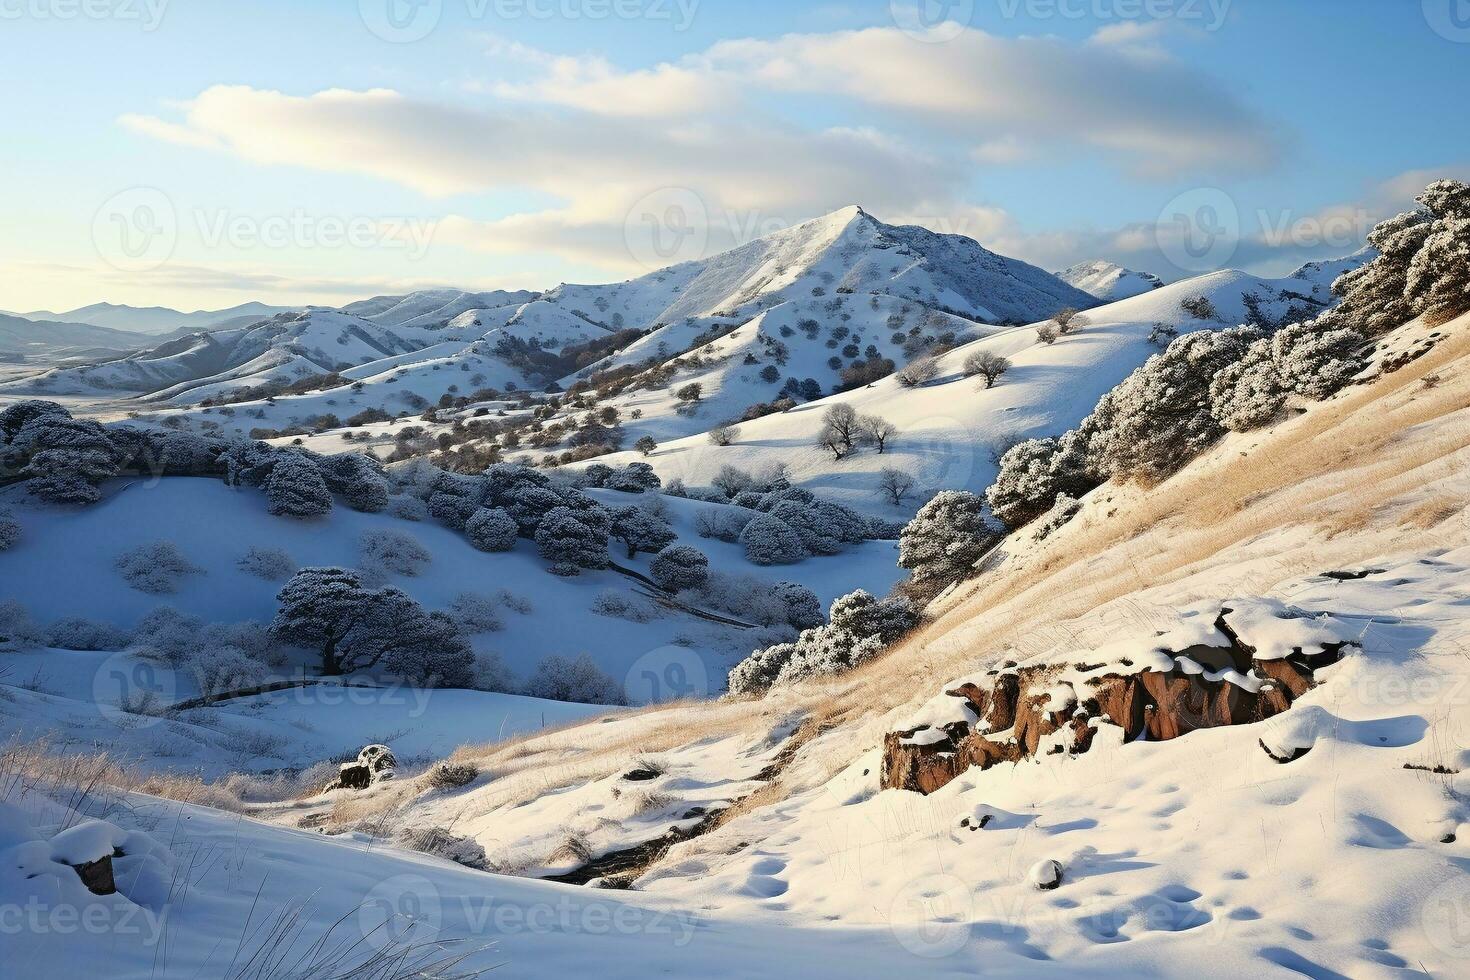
x: 988, y: 365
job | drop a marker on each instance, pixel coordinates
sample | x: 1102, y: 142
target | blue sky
x: 289, y: 152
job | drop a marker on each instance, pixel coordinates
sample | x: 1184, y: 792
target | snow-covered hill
x: 162, y: 320
x: 50, y: 338
x: 1108, y: 281
x: 948, y: 429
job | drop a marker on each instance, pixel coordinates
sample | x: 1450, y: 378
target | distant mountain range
x: 1108, y: 281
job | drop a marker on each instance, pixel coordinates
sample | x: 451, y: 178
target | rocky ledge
x: 1234, y: 663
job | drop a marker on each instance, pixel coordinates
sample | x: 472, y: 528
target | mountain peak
x: 1109, y: 281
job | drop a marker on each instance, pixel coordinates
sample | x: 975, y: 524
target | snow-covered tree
x: 296, y: 489
x: 1316, y: 360
x: 802, y: 608
x: 321, y: 608
x: 1372, y: 295
x: 1249, y: 393
x: 876, y: 432
x: 634, y: 478
x: 946, y: 538
x: 722, y: 523
x: 679, y: 568
x: 79, y: 633
x: 387, y: 552
x: 895, y: 484
x: 1437, y: 283
x: 430, y: 650
x: 158, y: 568
x: 271, y: 564
x: 17, y: 630
x: 1160, y: 418
x: 579, y: 681
x: 492, y: 529
x: 988, y: 365
x: 640, y: 530
x: 357, y: 479
x: 573, y: 540
x: 66, y: 459
x: 771, y: 541
x: 1033, y: 473
x: 451, y: 509
x: 646, y: 445
x: 9, y: 530
x: 723, y: 435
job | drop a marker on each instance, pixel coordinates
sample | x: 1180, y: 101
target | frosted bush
x: 1058, y: 517
x: 578, y: 681
x: 769, y: 540
x: 219, y: 670
x: 679, y: 568
x: 722, y: 523
x: 622, y: 605
x: 441, y: 843
x: 167, y: 634
x: 392, y: 552
x: 271, y: 564
x: 492, y: 529
x: 477, y: 613
x: 9, y: 530
x: 946, y: 538
x: 491, y: 674
x: 641, y: 530
x: 574, y: 540
x: 158, y: 568
x: 295, y: 488
x: 407, y: 508
x: 77, y: 633
x: 17, y: 630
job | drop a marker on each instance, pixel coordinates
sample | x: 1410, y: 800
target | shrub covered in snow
x: 407, y: 508
x: 78, y: 633
x: 641, y: 530
x: 477, y: 613
x: 860, y: 626
x: 1061, y: 513
x: 441, y: 843
x: 946, y: 538
x: 679, y: 568
x: 1033, y: 474
x: 623, y: 605
x: 579, y: 681
x: 65, y: 459
x: 492, y: 529
x: 430, y: 650
x: 158, y: 568
x: 9, y: 530
x: 392, y: 553
x: 768, y: 540
x: 17, y: 630
x: 357, y: 479
x: 722, y: 523
x: 574, y: 540
x: 449, y: 775
x: 295, y: 488
x: 224, y: 669
x: 166, y: 634
x: 271, y: 564
x: 634, y: 478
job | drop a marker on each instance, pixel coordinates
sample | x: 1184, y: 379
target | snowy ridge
x: 1108, y: 281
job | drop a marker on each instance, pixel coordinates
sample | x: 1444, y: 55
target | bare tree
x: 988, y: 365
x: 876, y: 432
x: 841, y: 423
x: 894, y: 484
x: 1047, y: 333
x: 724, y: 435
x: 921, y: 370
x: 1069, y: 319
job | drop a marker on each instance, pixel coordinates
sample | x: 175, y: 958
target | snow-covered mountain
x: 1108, y: 281
x: 21, y: 335
x: 161, y: 319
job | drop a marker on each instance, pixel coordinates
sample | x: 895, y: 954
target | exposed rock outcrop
x: 1247, y: 664
x: 375, y: 764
